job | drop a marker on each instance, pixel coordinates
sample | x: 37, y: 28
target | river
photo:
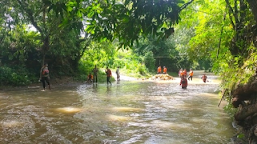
x: 131, y: 112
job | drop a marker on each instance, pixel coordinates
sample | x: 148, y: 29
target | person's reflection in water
x: 95, y: 88
x: 108, y: 90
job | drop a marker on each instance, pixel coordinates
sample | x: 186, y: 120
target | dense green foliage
x: 127, y: 20
x: 31, y: 35
x: 37, y: 32
x: 216, y: 39
x: 15, y: 76
x: 105, y: 54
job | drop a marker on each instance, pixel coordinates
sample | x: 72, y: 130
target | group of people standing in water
x: 185, y: 78
x: 159, y: 70
x: 93, y: 78
x: 44, y: 76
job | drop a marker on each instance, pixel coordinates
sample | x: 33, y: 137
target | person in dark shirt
x: 95, y: 71
x: 108, y: 74
x: 44, y: 76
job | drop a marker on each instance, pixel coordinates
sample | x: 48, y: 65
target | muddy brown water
x: 131, y: 112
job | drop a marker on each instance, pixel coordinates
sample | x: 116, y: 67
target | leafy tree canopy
x: 127, y: 20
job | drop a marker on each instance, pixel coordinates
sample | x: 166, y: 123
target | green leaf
x: 79, y: 14
x: 91, y: 14
x: 125, y: 19
x: 69, y: 9
x: 90, y: 29
x: 241, y: 136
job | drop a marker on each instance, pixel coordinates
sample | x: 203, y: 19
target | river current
x: 131, y: 112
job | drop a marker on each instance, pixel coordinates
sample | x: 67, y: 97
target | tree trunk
x: 45, y: 48
x: 43, y: 59
x: 253, y: 6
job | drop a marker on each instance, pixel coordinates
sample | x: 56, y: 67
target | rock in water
x: 162, y: 77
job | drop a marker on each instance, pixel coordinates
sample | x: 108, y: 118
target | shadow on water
x: 124, y: 113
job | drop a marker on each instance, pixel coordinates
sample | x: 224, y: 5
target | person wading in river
x: 90, y: 78
x: 159, y: 70
x: 118, y: 73
x: 95, y: 71
x: 183, y: 83
x: 164, y: 70
x: 191, y: 73
x: 180, y: 73
x: 185, y: 72
x: 204, y: 78
x: 108, y: 74
x: 44, y: 76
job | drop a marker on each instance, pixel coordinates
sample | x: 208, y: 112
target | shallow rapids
x: 125, y: 113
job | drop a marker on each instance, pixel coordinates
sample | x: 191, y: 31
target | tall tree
x: 47, y: 19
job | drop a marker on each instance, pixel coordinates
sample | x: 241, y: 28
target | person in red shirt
x: 90, y: 78
x: 183, y: 82
x: 159, y: 70
x: 108, y: 74
x: 204, y: 78
x: 164, y: 70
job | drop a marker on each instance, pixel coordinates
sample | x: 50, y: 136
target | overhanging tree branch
x: 30, y: 16
x: 231, y: 11
x: 185, y: 5
x: 221, y: 31
x: 231, y: 20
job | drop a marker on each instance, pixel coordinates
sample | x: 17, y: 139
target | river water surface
x: 131, y: 112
